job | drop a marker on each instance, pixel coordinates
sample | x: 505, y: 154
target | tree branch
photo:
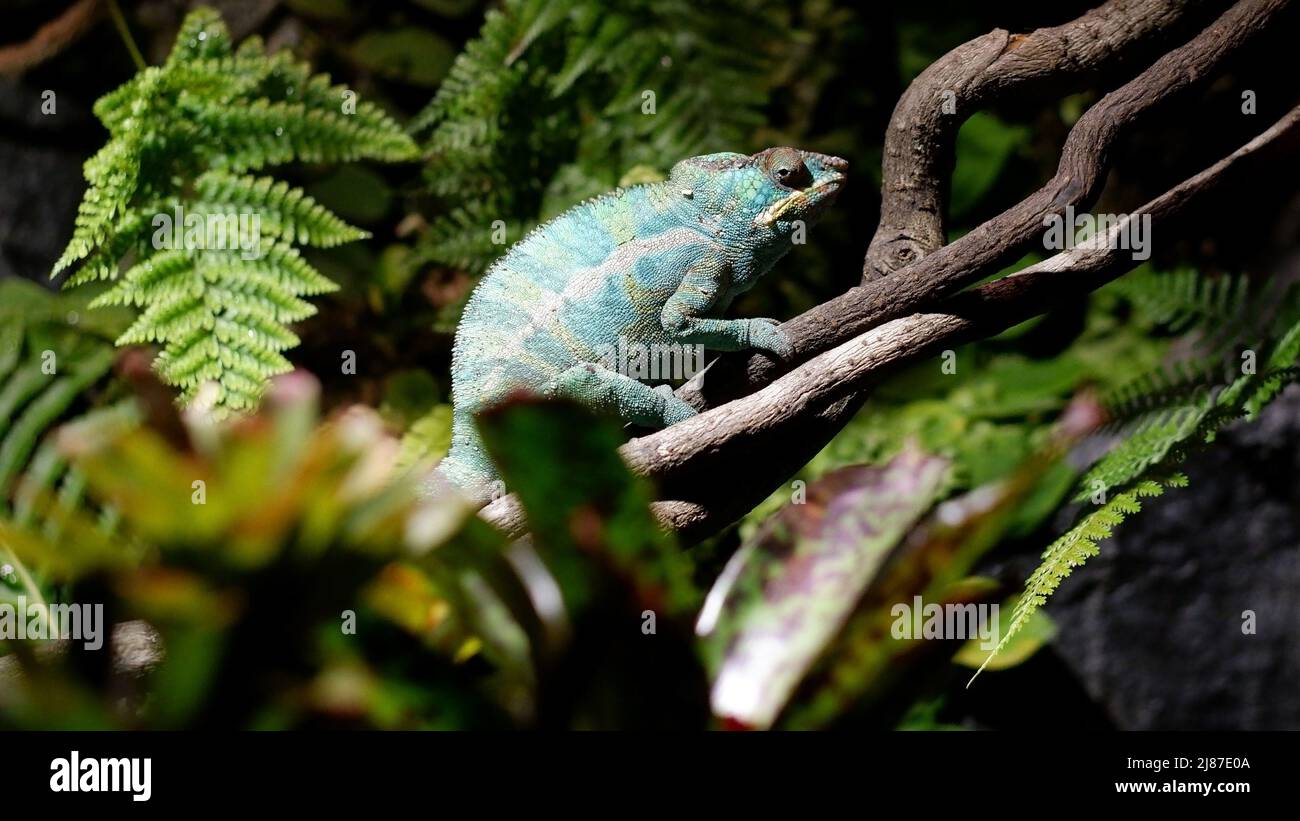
x: 49, y: 39
x: 715, y: 466
x: 1079, y: 177
x: 918, y: 151
x: 748, y: 446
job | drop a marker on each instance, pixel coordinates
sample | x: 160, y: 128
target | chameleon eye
x: 786, y: 168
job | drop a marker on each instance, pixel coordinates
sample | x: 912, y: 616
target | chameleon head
x: 771, y: 189
x: 796, y: 185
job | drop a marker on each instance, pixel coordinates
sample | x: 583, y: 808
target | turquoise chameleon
x: 654, y: 264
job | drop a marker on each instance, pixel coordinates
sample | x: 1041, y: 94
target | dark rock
x: 1153, y: 626
x: 41, y: 155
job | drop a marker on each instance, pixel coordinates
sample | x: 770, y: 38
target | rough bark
x: 753, y: 444
x: 50, y: 39
x: 999, y: 241
x: 715, y: 466
x: 918, y: 151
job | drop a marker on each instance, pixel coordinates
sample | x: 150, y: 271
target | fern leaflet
x: 1166, y: 417
x: 213, y: 267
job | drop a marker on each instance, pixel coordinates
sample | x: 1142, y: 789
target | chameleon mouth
x: 822, y: 190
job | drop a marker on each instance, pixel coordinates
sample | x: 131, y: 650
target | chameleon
x: 652, y: 264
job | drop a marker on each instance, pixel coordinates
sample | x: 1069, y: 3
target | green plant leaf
x: 984, y: 145
x: 785, y: 594
x: 598, y: 511
x: 212, y: 290
x: 1037, y: 631
x: 411, y: 55
x: 428, y: 439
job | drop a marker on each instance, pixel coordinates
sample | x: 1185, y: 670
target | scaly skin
x: 654, y: 264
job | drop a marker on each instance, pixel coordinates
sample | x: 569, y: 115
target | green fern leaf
x: 285, y: 211
x: 214, y: 273
x: 1167, y: 416
x: 1072, y: 550
x: 553, y: 93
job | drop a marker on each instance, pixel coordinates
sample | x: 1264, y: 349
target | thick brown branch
x: 1079, y: 176
x: 748, y: 446
x: 918, y: 151
x: 719, y: 464
x: 50, y: 38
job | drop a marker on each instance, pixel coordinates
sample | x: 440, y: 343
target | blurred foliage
x: 277, y: 572
x: 788, y: 590
x: 984, y: 145
x: 245, y: 553
x: 56, y: 358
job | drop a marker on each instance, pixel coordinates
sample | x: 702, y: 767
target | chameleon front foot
x: 766, y: 335
x: 606, y: 391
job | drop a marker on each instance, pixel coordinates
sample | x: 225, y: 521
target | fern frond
x: 181, y: 136
x: 1190, y: 400
x: 219, y: 316
x: 202, y: 35
x: 48, y: 361
x: 288, y: 79
x: 1183, y: 297
x: 284, y: 210
x: 1170, y: 415
x: 1163, y: 392
x: 263, y: 132
x: 113, y: 175
x: 105, y: 261
x: 489, y: 65
x: 1280, y: 369
x: 1073, y: 549
x: 1224, y: 312
x: 547, y: 106
x: 464, y: 239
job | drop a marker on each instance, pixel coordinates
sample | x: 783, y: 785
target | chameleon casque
x: 653, y: 264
